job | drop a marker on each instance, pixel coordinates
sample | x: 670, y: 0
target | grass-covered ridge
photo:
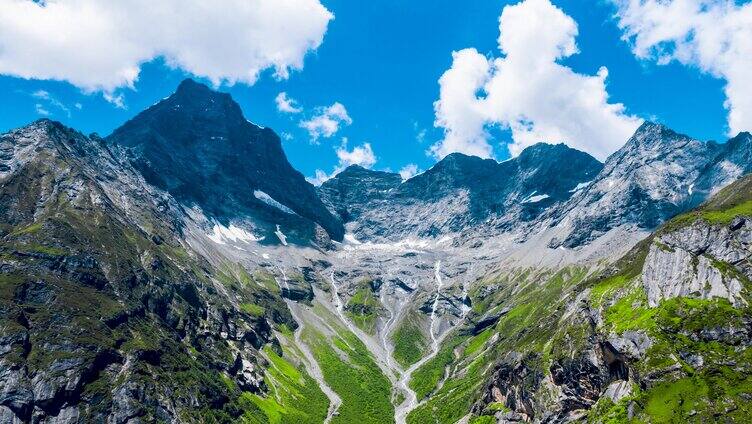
x: 293, y: 396
x: 410, y: 343
x: 364, y: 306
x: 351, y: 371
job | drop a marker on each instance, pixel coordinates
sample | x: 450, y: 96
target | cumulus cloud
x: 100, y: 46
x: 327, y: 121
x: 408, y: 171
x: 360, y: 155
x: 286, y: 104
x: 712, y: 35
x: 527, y: 91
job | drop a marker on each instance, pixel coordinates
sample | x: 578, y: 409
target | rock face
x: 644, y: 183
x: 732, y: 162
x: 98, y: 292
x: 673, y: 272
x: 656, y: 175
x: 357, y: 190
x: 197, y: 145
x: 460, y: 193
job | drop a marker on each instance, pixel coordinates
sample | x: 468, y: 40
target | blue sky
x: 382, y: 60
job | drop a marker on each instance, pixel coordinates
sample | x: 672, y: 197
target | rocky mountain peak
x: 650, y: 179
x: 197, y: 145
x: 199, y: 100
x: 356, y: 188
x: 42, y: 137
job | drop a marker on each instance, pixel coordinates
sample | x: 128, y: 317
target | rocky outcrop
x: 699, y: 260
x: 513, y: 383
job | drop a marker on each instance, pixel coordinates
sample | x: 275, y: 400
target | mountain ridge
x: 478, y: 291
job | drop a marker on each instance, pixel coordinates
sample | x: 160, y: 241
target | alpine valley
x: 180, y: 270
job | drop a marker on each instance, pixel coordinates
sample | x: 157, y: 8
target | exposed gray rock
x: 618, y: 390
x: 657, y: 174
x: 7, y: 416
x: 459, y: 194
x: 644, y: 183
x: 15, y: 389
x: 686, y: 262
x: 631, y: 344
x: 248, y: 375
x: 197, y: 145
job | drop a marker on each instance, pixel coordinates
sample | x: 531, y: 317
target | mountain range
x: 181, y: 270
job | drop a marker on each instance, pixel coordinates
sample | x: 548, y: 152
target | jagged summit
x: 197, y: 145
x: 460, y: 193
x: 657, y: 174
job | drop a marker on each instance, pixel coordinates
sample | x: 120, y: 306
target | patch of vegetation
x: 350, y: 370
x: 631, y: 312
x: 29, y: 229
x: 426, y: 378
x: 409, y: 343
x: 476, y: 343
x: 40, y: 248
x: 483, y: 419
x: 456, y: 396
x: 294, y: 397
x: 364, y: 307
x: 252, y: 309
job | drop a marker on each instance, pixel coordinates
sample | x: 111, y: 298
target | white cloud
x: 408, y: 171
x: 327, y: 121
x: 41, y: 110
x: 713, y: 35
x: 286, y: 104
x: 51, y: 100
x: 360, y: 155
x: 527, y: 91
x: 100, y: 46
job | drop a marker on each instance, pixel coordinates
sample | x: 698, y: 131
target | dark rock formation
x: 198, y: 146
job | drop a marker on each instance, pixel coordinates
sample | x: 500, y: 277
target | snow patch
x: 281, y: 236
x: 405, y: 245
x: 536, y: 198
x: 580, y: 186
x: 350, y: 238
x: 269, y: 200
x: 221, y: 234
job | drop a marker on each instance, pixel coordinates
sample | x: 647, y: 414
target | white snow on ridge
x: 536, y: 198
x: 221, y: 234
x: 269, y: 200
x: 580, y: 186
